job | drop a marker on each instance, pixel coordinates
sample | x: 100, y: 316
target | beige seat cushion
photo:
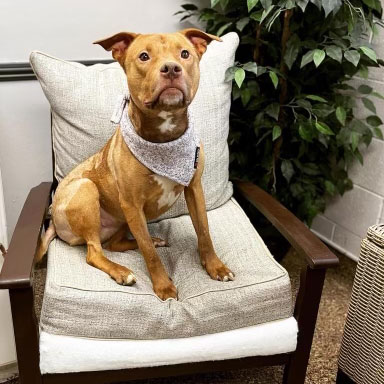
x: 83, y: 301
x: 83, y: 99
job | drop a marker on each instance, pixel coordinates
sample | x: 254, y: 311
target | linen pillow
x: 83, y: 98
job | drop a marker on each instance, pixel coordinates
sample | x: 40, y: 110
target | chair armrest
x: 19, y: 261
x: 307, y: 245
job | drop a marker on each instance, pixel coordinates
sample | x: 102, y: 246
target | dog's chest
x: 163, y: 194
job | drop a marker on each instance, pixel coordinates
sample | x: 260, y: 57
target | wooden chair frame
x: 18, y: 271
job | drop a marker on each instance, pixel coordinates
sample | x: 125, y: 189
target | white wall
x: 65, y: 29
x: 346, y: 220
x: 7, y: 343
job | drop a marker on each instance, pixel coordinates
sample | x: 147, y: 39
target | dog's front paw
x: 122, y: 275
x: 219, y: 271
x: 165, y: 289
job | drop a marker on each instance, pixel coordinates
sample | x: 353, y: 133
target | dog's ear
x: 118, y: 44
x: 199, y: 39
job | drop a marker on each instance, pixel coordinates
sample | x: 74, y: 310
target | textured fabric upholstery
x: 83, y: 301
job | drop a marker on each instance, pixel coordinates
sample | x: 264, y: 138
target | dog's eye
x: 144, y: 56
x: 184, y: 54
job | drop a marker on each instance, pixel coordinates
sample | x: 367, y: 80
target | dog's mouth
x: 168, y: 97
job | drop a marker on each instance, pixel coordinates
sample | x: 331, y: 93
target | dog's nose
x: 171, y: 70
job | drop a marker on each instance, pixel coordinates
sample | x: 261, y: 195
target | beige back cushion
x: 82, y: 100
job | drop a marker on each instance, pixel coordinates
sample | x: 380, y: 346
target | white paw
x: 159, y: 242
x: 229, y: 277
x: 129, y: 279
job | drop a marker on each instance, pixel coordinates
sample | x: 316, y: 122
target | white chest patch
x: 166, y: 125
x: 168, y: 196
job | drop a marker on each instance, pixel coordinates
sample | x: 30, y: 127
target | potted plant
x: 294, y: 131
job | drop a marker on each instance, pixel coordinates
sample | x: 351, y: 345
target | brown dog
x: 112, y: 191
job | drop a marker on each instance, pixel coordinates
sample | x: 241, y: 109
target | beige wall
x: 347, y: 218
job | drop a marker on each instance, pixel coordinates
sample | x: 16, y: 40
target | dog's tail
x: 44, y: 242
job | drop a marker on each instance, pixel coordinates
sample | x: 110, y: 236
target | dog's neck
x: 158, y: 128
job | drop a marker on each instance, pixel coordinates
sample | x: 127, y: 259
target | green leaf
x: 307, y: 58
x: 359, y: 157
x: 310, y: 169
x: 287, y: 170
x: 374, y: 120
x: 302, y: 4
x: 236, y: 93
x: 330, y: 5
x: 363, y: 71
x: 377, y: 94
x: 189, y: 7
x: 289, y: 4
x: 323, y: 128
x: 372, y: 4
x: 261, y: 70
x: 251, y: 66
x: 305, y: 132
x: 334, y: 52
x: 224, y: 4
x: 378, y: 133
x: 273, y: 110
x: 266, y: 3
x: 214, y: 3
x: 292, y: 50
x: 322, y: 110
x: 369, y: 52
x: 355, y: 138
x: 365, y: 89
x: 265, y: 13
x: 251, y: 4
x: 359, y: 127
x: 369, y: 104
x: 352, y: 56
x: 256, y: 15
x: 330, y: 188
x: 239, y: 76
x: 341, y: 115
x: 276, y: 133
x: 316, y: 98
x: 245, y: 96
x: 230, y: 73
x: 304, y: 104
x: 240, y: 25
x: 221, y: 30
x: 317, y: 3
x: 274, y: 78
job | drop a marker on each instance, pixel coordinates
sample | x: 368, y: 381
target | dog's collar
x: 177, y: 160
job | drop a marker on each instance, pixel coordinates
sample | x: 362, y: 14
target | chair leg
x: 306, y: 309
x: 26, y: 335
x: 342, y: 378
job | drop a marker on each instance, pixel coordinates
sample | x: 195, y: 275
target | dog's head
x: 162, y: 69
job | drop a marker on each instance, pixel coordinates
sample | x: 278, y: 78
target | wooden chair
x: 18, y: 273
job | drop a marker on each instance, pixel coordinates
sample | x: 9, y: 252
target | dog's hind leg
x: 44, y: 242
x: 83, y: 215
x: 119, y: 243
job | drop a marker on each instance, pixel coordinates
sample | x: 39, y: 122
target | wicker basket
x: 362, y: 349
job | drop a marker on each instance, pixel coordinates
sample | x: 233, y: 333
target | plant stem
x: 256, y: 51
x: 283, y: 95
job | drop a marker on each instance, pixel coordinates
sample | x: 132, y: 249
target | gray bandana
x: 177, y: 160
